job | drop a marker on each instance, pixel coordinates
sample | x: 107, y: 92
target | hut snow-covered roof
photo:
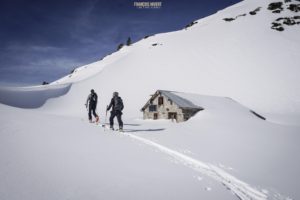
x: 178, y: 100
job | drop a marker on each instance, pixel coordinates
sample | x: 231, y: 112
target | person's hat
x: 115, y: 94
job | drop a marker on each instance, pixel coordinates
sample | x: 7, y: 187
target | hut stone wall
x: 167, y: 110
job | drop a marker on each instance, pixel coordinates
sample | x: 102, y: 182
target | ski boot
x: 97, y: 120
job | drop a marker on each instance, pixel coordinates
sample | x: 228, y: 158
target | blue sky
x: 43, y: 40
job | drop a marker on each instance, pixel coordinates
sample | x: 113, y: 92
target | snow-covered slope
x: 243, y: 59
x: 223, y: 152
x: 46, y: 157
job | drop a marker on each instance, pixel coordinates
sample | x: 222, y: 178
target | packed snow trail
x: 239, y: 188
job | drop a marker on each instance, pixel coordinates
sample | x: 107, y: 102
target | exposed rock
x: 278, y: 7
x: 228, y: 19
x: 279, y: 19
x: 294, y: 7
x: 289, y: 21
x: 242, y: 15
x: 191, y: 24
x: 277, y: 26
x: 253, y: 12
x: 275, y: 6
x: 148, y: 36
x: 274, y: 24
x: 231, y: 19
x: 276, y: 11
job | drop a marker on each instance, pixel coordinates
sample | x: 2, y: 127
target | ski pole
x: 105, y: 117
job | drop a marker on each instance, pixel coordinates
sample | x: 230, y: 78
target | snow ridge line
x: 241, y: 189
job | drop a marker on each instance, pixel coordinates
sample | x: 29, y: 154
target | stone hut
x: 169, y: 105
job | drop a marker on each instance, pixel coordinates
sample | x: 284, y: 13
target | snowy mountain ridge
x: 243, y: 59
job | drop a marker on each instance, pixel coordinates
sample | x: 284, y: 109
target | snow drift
x: 31, y: 97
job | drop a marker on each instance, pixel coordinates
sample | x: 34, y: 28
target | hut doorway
x: 172, y: 116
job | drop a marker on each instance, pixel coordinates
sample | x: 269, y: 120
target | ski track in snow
x: 241, y: 189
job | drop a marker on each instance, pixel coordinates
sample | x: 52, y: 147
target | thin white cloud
x: 59, y: 63
x: 29, y: 48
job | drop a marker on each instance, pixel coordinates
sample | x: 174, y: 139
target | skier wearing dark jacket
x: 91, y: 103
x: 117, y: 106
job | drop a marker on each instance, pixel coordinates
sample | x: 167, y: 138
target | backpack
x: 118, y: 104
x: 93, y: 98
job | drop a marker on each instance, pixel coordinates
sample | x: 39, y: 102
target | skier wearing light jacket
x: 91, y: 103
x: 117, y: 106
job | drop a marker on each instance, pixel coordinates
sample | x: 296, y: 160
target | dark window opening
x: 160, y: 101
x: 152, y: 108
